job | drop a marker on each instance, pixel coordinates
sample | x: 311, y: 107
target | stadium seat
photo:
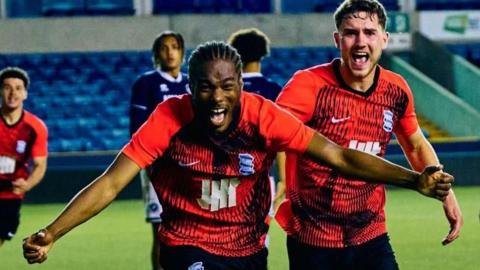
x: 86, y: 95
x: 172, y: 7
x: 253, y: 6
x: 63, y: 7
x: 109, y: 7
x: 23, y: 8
x: 447, y: 5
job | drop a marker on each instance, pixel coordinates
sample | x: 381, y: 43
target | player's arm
x: 38, y: 171
x: 421, y: 154
x: 432, y: 182
x: 86, y: 204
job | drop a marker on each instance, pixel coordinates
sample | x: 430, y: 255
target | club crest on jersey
x: 163, y: 87
x: 196, y: 266
x: 246, y: 164
x: 21, y: 146
x: 387, y: 120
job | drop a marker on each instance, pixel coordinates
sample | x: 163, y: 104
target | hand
x: 454, y: 217
x: 20, y: 186
x: 435, y: 183
x: 36, y: 246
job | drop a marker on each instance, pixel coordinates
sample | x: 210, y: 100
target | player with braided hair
x: 210, y: 153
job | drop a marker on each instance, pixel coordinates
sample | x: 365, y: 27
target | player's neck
x: 361, y: 84
x: 173, y: 72
x: 11, y: 116
x: 252, y: 67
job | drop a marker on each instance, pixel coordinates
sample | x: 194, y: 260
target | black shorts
x: 193, y: 258
x: 9, y: 218
x: 376, y: 254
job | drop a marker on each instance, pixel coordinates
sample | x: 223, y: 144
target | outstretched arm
x: 421, y: 154
x: 432, y: 182
x: 86, y: 204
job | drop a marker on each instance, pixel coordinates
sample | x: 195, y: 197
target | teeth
x: 360, y: 57
x: 218, y: 110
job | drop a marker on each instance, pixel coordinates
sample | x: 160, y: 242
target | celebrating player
x: 23, y: 138
x: 333, y: 222
x: 210, y: 153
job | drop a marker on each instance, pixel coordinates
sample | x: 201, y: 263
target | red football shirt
x: 19, y: 143
x: 215, y: 192
x: 323, y: 208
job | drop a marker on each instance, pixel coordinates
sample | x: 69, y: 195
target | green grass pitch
x: 118, y: 238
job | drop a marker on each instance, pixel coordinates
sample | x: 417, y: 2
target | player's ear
x: 385, y: 38
x: 240, y: 82
x: 336, y: 39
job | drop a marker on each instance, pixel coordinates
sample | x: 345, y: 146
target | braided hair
x: 210, y: 51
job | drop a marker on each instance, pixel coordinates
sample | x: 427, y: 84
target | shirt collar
x: 251, y: 74
x: 169, y: 77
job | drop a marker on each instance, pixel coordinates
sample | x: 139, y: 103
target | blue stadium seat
x: 63, y: 7
x: 109, y: 7
x: 23, y: 8
x: 459, y: 49
x: 256, y: 6
x: 169, y: 6
x: 85, y: 96
x: 447, y: 4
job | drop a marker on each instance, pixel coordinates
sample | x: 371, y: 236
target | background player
x: 23, y: 139
x: 211, y: 153
x: 151, y: 88
x: 340, y: 224
x: 253, y: 45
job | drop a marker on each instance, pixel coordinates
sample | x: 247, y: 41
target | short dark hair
x: 15, y: 72
x: 158, y: 42
x: 350, y: 7
x: 210, y: 51
x: 252, y: 44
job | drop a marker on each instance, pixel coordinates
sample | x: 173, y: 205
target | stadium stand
x: 83, y: 97
x: 63, y: 7
x: 109, y: 7
x: 469, y: 51
x: 447, y: 4
x: 306, y: 6
x: 23, y: 8
x: 211, y: 6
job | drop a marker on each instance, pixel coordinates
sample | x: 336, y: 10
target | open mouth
x: 360, y: 58
x: 217, y: 116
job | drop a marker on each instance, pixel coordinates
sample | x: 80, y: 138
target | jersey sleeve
x: 282, y: 130
x: 407, y: 124
x: 153, y: 138
x: 138, y: 105
x: 299, y: 94
x: 40, y: 144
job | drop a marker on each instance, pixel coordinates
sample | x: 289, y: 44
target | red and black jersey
x: 20, y: 142
x: 215, y: 192
x: 324, y: 209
